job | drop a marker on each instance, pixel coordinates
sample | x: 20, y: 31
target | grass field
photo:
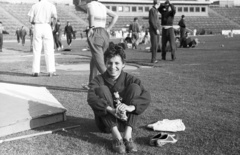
x: 202, y: 87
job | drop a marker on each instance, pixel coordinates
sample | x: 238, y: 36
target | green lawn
x: 202, y: 87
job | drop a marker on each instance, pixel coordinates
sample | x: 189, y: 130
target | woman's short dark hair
x: 114, y: 50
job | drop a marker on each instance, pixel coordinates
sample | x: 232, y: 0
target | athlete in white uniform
x: 40, y: 15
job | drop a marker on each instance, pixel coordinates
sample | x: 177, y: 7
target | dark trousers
x: 18, y: 38
x: 135, y: 37
x: 154, y: 38
x: 107, y: 122
x: 23, y: 40
x: 57, y: 40
x: 182, y: 35
x: 69, y: 38
x: 31, y: 43
x: 168, y: 35
x: 1, y: 41
x: 98, y: 43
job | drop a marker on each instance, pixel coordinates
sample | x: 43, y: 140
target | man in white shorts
x: 40, y: 15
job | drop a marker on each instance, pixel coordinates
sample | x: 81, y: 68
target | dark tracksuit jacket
x: 154, y: 25
x: 99, y: 105
x: 182, y: 25
x: 167, y: 34
x: 68, y: 31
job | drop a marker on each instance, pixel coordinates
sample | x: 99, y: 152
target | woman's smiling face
x: 114, y: 66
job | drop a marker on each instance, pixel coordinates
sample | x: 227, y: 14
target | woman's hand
x: 111, y: 110
x: 90, y: 32
x: 128, y: 108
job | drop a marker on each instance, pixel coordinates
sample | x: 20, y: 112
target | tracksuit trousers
x: 154, y: 38
x: 107, y: 122
x: 98, y: 43
x: 168, y: 35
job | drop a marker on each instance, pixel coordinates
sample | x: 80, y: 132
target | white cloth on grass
x: 168, y: 125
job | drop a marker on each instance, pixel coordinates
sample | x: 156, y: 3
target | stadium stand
x: 231, y: 13
x: 14, y: 15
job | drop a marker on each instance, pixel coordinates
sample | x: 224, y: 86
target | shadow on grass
x: 47, y: 86
x: 87, y: 131
x: 19, y: 50
x: 14, y: 73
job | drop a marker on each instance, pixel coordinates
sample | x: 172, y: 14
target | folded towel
x: 168, y: 125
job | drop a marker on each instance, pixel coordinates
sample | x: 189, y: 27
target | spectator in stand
x: 98, y: 35
x: 57, y: 32
x: 154, y: 30
x: 68, y: 31
x: 31, y: 37
x: 18, y: 31
x: 182, y: 25
x: 41, y: 15
x: 135, y: 30
x: 1, y: 36
x: 168, y: 11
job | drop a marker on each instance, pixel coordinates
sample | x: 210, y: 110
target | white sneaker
x: 162, y: 138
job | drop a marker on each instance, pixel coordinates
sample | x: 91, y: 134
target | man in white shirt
x: 98, y: 35
x: 40, y: 15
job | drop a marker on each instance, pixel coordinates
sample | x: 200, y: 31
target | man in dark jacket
x: 182, y: 25
x: 154, y: 29
x: 18, y: 35
x: 135, y: 30
x: 23, y: 35
x: 57, y: 35
x: 68, y: 31
x: 168, y: 11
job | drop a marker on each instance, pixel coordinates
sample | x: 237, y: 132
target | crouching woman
x: 117, y: 99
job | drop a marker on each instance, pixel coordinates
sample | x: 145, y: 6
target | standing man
x: 57, y: 35
x: 134, y: 29
x: 31, y: 37
x: 168, y: 11
x: 18, y: 35
x: 1, y: 36
x: 98, y: 36
x: 154, y: 29
x: 182, y: 25
x: 23, y: 35
x: 68, y: 31
x: 40, y: 15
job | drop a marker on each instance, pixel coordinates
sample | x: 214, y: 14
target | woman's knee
x: 102, y: 91
x: 134, y: 88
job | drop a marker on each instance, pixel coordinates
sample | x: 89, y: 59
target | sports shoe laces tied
x: 130, y: 145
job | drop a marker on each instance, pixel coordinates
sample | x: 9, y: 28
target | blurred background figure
x: 57, y: 33
x: 31, y: 37
x: 134, y: 29
x: 23, y: 33
x: 68, y: 31
x: 18, y: 35
x: 1, y: 36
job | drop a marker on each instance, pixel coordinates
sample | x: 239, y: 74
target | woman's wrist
x: 110, y: 109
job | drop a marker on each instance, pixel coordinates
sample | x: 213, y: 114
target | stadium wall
x: 142, y: 7
x: 68, y: 2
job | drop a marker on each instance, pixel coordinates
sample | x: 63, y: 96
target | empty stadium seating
x: 231, y: 13
x: 15, y: 15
